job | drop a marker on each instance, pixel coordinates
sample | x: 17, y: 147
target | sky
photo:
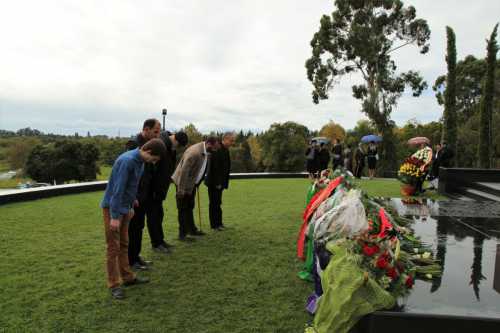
x: 105, y: 66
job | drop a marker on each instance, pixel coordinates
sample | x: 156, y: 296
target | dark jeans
x: 153, y: 213
x: 185, y: 207
x: 215, y: 211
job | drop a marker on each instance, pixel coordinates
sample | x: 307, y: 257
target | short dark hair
x: 182, y: 138
x: 156, y: 147
x: 212, y: 140
x: 150, y: 123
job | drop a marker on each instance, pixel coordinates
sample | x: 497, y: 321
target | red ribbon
x: 316, y: 200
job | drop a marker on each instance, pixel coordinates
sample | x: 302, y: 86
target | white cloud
x: 71, y: 66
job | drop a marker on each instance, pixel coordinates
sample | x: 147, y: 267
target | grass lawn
x: 240, y: 280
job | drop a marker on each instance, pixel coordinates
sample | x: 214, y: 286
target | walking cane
x: 199, y: 208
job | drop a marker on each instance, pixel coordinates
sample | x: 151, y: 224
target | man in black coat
x: 153, y: 188
x: 217, y: 179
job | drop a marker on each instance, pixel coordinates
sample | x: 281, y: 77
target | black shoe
x: 186, y: 239
x: 137, y: 280
x: 197, y: 233
x: 167, y: 245
x: 161, y: 249
x: 137, y: 266
x: 117, y: 293
x: 143, y: 262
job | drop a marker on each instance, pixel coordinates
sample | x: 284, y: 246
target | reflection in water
x: 442, y: 238
x: 496, y: 278
x: 461, y: 239
x: 477, y: 275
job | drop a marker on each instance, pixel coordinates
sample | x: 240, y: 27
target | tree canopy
x: 360, y: 36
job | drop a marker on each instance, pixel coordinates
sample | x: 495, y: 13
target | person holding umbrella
x: 372, y: 157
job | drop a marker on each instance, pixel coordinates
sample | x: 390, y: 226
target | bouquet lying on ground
x: 410, y: 172
x: 374, y: 258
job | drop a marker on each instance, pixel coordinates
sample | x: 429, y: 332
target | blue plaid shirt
x: 123, y: 183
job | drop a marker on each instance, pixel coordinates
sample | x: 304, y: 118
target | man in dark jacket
x: 153, y: 187
x: 217, y: 179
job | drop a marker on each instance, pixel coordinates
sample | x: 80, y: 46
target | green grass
x: 240, y: 280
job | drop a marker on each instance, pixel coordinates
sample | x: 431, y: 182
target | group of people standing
x: 138, y: 185
x: 318, y: 158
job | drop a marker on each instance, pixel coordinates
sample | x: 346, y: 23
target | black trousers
x: 152, y: 212
x: 215, y: 211
x: 185, y: 207
x: 358, y: 171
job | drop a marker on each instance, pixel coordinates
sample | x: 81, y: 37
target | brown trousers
x: 117, y: 264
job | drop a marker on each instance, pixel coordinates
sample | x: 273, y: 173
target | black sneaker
x: 197, y: 233
x: 167, y: 245
x: 186, y: 239
x: 137, y: 266
x: 117, y: 293
x: 143, y: 262
x: 161, y: 249
x: 137, y: 280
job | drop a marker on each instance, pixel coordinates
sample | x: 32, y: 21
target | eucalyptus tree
x: 361, y: 36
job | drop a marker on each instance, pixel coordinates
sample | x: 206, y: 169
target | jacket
x: 189, y: 168
x: 218, y: 169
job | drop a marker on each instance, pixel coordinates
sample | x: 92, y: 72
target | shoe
x: 117, y: 293
x: 161, y: 249
x: 137, y: 280
x: 186, y: 239
x: 144, y: 262
x: 137, y: 266
x: 222, y: 226
x: 197, y: 233
x: 167, y: 245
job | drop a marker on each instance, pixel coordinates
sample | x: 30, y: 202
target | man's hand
x: 219, y: 187
x: 136, y: 203
x: 114, y: 225
x: 179, y: 195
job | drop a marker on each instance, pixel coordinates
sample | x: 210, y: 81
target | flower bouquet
x: 409, y: 175
x: 373, y: 258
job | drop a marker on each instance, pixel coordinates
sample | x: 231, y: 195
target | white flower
x: 429, y: 276
x: 426, y: 255
x: 415, y: 249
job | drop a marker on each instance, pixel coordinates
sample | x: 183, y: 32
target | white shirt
x: 202, y: 170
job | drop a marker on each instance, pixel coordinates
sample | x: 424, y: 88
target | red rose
x: 370, y: 250
x: 392, y: 273
x: 382, y: 262
x: 409, y: 282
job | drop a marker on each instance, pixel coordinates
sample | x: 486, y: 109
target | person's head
x: 228, y: 139
x: 151, y: 129
x: 438, y: 146
x: 179, y: 139
x: 153, y: 150
x: 212, y: 144
x: 322, y: 145
x: 313, y: 143
x: 335, y: 141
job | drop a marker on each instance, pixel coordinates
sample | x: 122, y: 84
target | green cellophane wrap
x: 349, y: 293
x: 306, y: 274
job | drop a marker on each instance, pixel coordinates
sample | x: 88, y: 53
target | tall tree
x: 450, y: 113
x: 360, y: 36
x: 485, y: 132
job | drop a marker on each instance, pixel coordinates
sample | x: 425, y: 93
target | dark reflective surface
x: 469, y: 250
